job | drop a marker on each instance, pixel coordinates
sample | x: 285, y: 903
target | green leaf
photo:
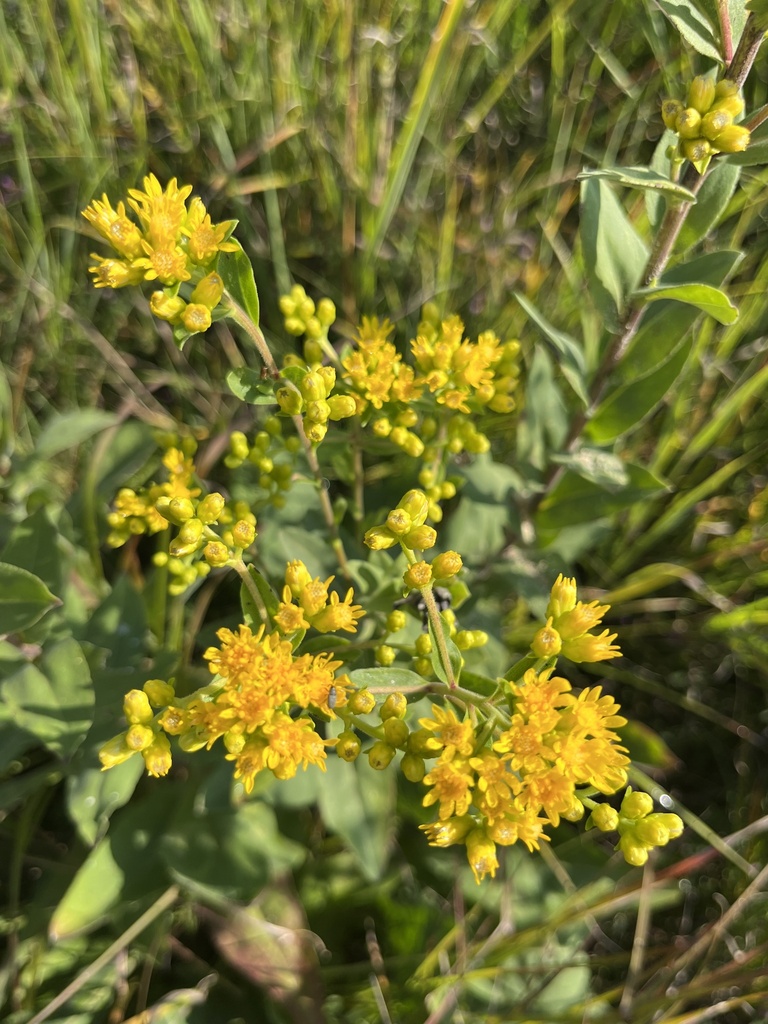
x: 386, y: 680
x: 614, y: 254
x: 237, y: 273
x: 628, y: 406
x: 93, y: 796
x: 251, y: 610
x: 706, y: 298
x: 234, y: 853
x: 571, y: 360
x: 645, y: 745
x: 603, y: 468
x: 24, y: 598
x: 53, y: 702
x: 575, y: 500
x: 544, y: 423
x: 642, y: 178
x: 33, y: 545
x: 70, y: 429
x: 665, y: 324
x: 693, y: 27
x: 358, y: 803
x: 249, y: 386
x: 713, y: 199
x: 125, y: 865
x: 454, y: 654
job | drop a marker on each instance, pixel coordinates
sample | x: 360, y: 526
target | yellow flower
x: 481, y: 854
x: 167, y: 263
x: 113, y: 225
x: 496, y: 784
x: 205, y: 239
x: 290, y: 743
x: 339, y: 614
x: 449, y: 832
x: 592, y: 648
x: 452, y: 782
x: 110, y: 273
x: 289, y: 617
x: 161, y: 211
x: 455, y: 737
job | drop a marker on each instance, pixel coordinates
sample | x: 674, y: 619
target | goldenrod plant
x: 382, y: 536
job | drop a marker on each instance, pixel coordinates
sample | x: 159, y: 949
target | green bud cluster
x: 640, y: 828
x: 303, y: 317
x: 311, y: 398
x: 197, y: 547
x: 273, y: 455
x: 706, y: 125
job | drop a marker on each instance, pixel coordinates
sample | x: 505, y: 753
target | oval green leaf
x: 705, y: 297
x: 24, y: 598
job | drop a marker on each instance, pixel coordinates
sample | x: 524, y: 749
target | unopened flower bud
x: 318, y: 411
x: 159, y: 692
x: 157, y: 756
x: 446, y: 565
x: 289, y: 400
x: 385, y: 655
x: 396, y: 620
x: 669, y: 112
x: 380, y: 755
x: 382, y: 427
x: 714, y: 122
x: 634, y: 852
x: 341, y: 407
x: 139, y: 737
x: 636, y: 805
x: 418, y: 575
x: 315, y: 432
x: 399, y: 522
x: 396, y: 732
x: 136, y: 708
x: 421, y: 539
x: 167, y: 307
x: 423, y: 667
x: 243, y: 534
x: 210, y: 508
x: 562, y: 597
x: 604, y: 817
x: 481, y: 854
x: 733, y: 105
x: 448, y: 832
x: 361, y: 702
x: 209, y: 291
x: 313, y: 387
x: 395, y: 706
x: 546, y: 642
x: 423, y: 644
x: 294, y: 325
x: 696, y: 150
x: 415, y: 503
x: 196, y: 318
x: 348, y: 746
x: 413, y: 767
x: 114, y: 752
x: 216, y: 554
x: 325, y: 312
x: 733, y: 139
x: 726, y: 87
x: 687, y: 123
x: 701, y: 93
x: 378, y: 538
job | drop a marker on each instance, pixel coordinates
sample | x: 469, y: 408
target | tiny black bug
x: 416, y: 600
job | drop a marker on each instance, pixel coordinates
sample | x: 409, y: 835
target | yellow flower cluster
x: 135, y: 512
x: 273, y: 455
x: 706, y: 125
x: 568, y: 625
x: 177, y: 503
x: 308, y: 393
x: 251, y: 706
x: 313, y: 605
x: 556, y: 747
x: 172, y: 243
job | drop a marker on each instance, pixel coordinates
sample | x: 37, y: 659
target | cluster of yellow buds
x: 706, y: 125
x: 567, y: 629
x: 308, y: 393
x: 640, y: 829
x: 302, y: 316
x: 437, y: 492
x: 465, y: 640
x: 258, y: 704
x: 135, y: 512
x: 272, y: 454
x: 406, y: 525
x: 306, y: 602
x: 172, y: 243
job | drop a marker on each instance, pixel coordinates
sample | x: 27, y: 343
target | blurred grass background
x: 386, y: 154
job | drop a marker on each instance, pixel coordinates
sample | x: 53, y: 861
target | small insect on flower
x: 332, y: 698
x: 416, y: 600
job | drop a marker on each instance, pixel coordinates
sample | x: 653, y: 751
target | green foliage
x: 384, y: 156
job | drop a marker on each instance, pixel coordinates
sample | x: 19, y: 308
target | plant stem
x: 437, y: 629
x: 254, y: 333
